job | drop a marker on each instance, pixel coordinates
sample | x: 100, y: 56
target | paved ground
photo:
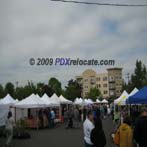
x: 59, y: 137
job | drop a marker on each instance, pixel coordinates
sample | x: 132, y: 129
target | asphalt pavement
x: 59, y: 137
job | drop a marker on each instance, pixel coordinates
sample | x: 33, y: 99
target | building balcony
x: 111, y: 88
x: 111, y: 81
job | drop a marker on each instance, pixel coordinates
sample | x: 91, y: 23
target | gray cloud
x: 38, y: 28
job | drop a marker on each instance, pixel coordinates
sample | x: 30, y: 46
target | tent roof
x: 139, y: 97
x: 79, y: 101
x: 98, y: 101
x: 88, y: 101
x: 31, y: 102
x: 104, y: 101
x: 55, y: 99
x: 122, y: 99
x: 133, y: 91
x: 7, y: 100
x: 47, y: 100
x: 63, y: 100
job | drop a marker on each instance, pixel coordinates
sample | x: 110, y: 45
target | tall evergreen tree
x: 139, y: 78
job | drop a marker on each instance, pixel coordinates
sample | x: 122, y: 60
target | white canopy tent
x: 31, y: 102
x: 4, y: 109
x: 133, y: 91
x: 37, y: 96
x: 122, y: 99
x: 104, y: 101
x: 88, y: 101
x: 1, y: 102
x: 98, y: 101
x: 83, y: 102
x: 63, y: 100
x: 78, y: 101
x: 124, y: 96
x: 7, y: 100
x: 48, y: 102
x: 55, y: 99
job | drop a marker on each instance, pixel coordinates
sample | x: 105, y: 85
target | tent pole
x: 15, y: 114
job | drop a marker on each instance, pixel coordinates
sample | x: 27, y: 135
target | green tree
x: 139, y: 78
x: 55, y: 85
x: 39, y: 89
x: 20, y: 93
x: 72, y: 90
x: 93, y: 93
x: 2, y: 92
x: 126, y: 86
x: 9, y: 88
x: 48, y: 90
x: 29, y: 89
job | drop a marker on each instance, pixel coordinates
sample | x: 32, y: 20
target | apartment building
x: 109, y: 83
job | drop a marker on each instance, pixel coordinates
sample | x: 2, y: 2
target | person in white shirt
x: 88, y: 126
x: 9, y: 128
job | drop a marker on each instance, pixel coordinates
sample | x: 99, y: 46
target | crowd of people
x: 130, y: 127
x: 47, y: 118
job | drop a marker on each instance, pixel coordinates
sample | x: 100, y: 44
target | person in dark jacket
x: 97, y: 134
x: 140, y: 130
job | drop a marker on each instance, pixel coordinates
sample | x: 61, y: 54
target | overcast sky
x: 41, y: 28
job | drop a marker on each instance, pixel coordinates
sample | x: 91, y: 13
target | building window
x: 98, y: 79
x: 86, y: 87
x: 98, y: 86
x: 92, y: 81
x: 104, y: 85
x: 111, y: 78
x: 86, y: 80
x: 104, y: 78
x: 117, y: 91
x: 105, y: 92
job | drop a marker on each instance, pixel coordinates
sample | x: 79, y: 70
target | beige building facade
x: 109, y: 83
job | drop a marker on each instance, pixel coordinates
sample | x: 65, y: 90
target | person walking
x: 70, y: 118
x: 116, y: 119
x: 97, y: 136
x: 87, y: 127
x: 66, y: 118
x: 124, y: 134
x: 9, y: 129
x: 140, y: 129
x: 76, y: 118
x: 49, y: 118
x: 53, y: 116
